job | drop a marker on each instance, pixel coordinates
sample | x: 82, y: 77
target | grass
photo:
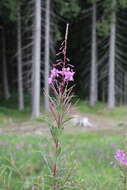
x: 23, y: 160
x: 100, y: 108
x: 9, y: 110
x: 85, y: 107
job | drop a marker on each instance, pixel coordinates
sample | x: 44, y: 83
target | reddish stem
x: 54, y: 170
x: 55, y: 166
x: 65, y: 47
x: 57, y: 144
x: 65, y: 57
x: 60, y: 93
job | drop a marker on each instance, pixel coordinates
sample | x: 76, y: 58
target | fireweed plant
x: 59, y: 106
x: 121, y: 158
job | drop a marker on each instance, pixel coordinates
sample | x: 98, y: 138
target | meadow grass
x: 100, y: 108
x: 25, y: 158
x: 9, y: 110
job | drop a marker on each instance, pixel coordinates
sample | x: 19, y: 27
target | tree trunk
x: 5, y: 76
x: 111, y: 79
x: 103, y: 91
x: 93, y: 79
x: 47, y: 54
x: 125, y: 89
x: 20, y: 74
x: 36, y: 61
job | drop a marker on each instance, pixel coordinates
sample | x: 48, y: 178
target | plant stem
x: 65, y: 48
x: 55, y: 165
x: 125, y: 182
x: 57, y: 114
x: 55, y: 170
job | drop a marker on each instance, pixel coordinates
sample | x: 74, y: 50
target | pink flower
x: 68, y: 74
x: 113, y: 146
x: 54, y: 73
x: 19, y: 146
x: 65, y: 72
x: 112, y: 163
x: 50, y: 80
x: 121, y: 157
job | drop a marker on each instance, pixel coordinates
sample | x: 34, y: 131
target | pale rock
x: 81, y: 121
